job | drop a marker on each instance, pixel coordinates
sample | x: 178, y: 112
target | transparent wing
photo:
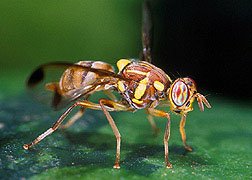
x: 43, y: 83
x: 147, y: 33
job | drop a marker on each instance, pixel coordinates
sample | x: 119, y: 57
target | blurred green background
x: 32, y: 33
x: 35, y: 32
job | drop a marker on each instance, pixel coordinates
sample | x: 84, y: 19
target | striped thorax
x: 146, y: 84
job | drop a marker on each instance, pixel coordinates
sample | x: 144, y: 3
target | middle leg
x: 118, y: 107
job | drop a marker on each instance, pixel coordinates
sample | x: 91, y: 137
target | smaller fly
x: 140, y: 84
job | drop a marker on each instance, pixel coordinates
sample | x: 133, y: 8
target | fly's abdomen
x: 75, y: 77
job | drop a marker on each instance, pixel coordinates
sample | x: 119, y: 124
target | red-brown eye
x: 180, y: 93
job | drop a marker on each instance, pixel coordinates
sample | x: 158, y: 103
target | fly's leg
x: 80, y: 113
x: 160, y: 113
x: 50, y: 130
x: 150, y: 118
x: 60, y: 120
x: 74, y: 118
x: 104, y: 105
x: 154, y: 127
x: 183, y: 133
x: 118, y: 107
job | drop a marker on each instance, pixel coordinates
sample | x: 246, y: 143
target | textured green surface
x: 221, y: 138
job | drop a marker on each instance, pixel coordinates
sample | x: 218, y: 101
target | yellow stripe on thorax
x: 137, y: 101
x: 158, y: 85
x: 121, y: 86
x: 137, y: 72
x: 122, y: 63
x: 141, y: 88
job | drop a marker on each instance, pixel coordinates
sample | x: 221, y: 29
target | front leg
x: 160, y: 113
x: 183, y: 133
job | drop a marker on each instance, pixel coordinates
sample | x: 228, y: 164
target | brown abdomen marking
x: 74, y: 77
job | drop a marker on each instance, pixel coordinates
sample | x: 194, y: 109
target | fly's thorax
x: 145, y: 72
x: 76, y: 77
x: 146, y: 83
x: 182, y: 95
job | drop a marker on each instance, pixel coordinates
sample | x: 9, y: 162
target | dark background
x: 210, y: 41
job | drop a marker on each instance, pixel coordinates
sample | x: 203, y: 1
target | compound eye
x: 180, y: 93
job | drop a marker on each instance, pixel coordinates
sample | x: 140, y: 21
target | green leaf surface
x: 221, y: 138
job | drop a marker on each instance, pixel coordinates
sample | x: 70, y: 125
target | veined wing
x: 47, y: 86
